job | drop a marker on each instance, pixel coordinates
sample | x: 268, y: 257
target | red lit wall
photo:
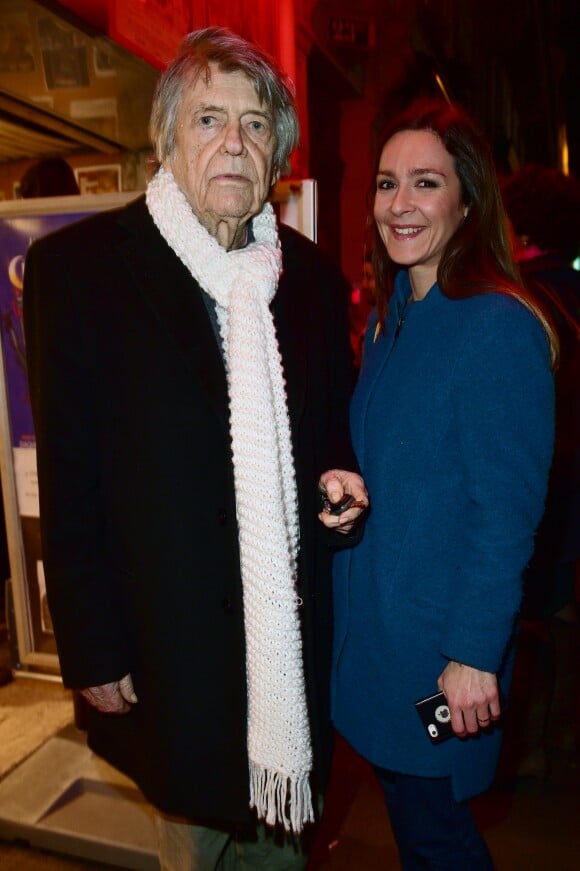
x: 94, y: 12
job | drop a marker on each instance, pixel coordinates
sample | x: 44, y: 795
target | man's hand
x: 337, y: 483
x: 112, y: 698
x: 472, y: 696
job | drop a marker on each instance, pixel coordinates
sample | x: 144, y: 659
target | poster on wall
x: 295, y: 202
x: 21, y: 222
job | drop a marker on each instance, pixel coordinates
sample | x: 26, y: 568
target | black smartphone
x: 336, y: 507
x: 436, y: 717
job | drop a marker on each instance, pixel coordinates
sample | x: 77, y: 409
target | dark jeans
x: 432, y: 830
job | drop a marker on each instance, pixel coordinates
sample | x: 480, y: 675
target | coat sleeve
x: 314, y: 332
x: 82, y: 594
x: 341, y: 378
x: 503, y: 411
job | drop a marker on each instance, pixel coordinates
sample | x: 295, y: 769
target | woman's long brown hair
x: 478, y: 257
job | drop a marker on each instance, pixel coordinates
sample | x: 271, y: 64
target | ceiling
x: 27, y: 132
x: 20, y: 142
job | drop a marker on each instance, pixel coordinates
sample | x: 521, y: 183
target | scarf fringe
x: 281, y: 798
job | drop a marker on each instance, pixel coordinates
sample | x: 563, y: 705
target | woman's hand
x: 472, y: 696
x: 336, y: 484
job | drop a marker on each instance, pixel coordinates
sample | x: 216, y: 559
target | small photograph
x: 16, y: 44
x: 104, y: 179
x: 64, y: 55
x: 99, y: 114
x: 103, y: 62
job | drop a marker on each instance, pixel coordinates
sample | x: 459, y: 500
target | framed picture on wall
x: 105, y: 179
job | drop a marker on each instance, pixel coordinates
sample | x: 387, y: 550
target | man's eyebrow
x: 211, y: 107
x: 207, y: 107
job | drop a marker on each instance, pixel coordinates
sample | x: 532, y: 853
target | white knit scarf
x: 243, y: 282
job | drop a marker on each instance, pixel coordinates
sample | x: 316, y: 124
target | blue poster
x: 21, y: 222
x: 16, y: 234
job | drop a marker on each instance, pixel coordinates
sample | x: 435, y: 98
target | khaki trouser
x: 187, y: 847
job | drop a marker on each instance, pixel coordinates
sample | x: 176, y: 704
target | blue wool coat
x: 452, y: 423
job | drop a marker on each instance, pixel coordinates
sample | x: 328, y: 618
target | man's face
x: 223, y: 154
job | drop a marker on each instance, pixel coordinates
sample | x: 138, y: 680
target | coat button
x: 228, y: 605
x: 222, y: 516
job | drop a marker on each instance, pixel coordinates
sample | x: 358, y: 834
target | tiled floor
x: 528, y: 825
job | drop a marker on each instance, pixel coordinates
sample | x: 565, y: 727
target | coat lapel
x: 176, y: 300
x: 291, y: 328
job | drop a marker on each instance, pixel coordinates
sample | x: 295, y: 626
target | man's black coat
x: 138, y: 513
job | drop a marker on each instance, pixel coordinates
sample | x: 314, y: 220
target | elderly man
x: 190, y: 376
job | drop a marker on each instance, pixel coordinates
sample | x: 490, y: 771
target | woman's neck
x: 421, y: 282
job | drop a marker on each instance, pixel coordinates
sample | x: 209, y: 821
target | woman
x: 452, y: 424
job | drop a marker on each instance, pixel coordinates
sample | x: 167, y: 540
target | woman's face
x: 418, y: 205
